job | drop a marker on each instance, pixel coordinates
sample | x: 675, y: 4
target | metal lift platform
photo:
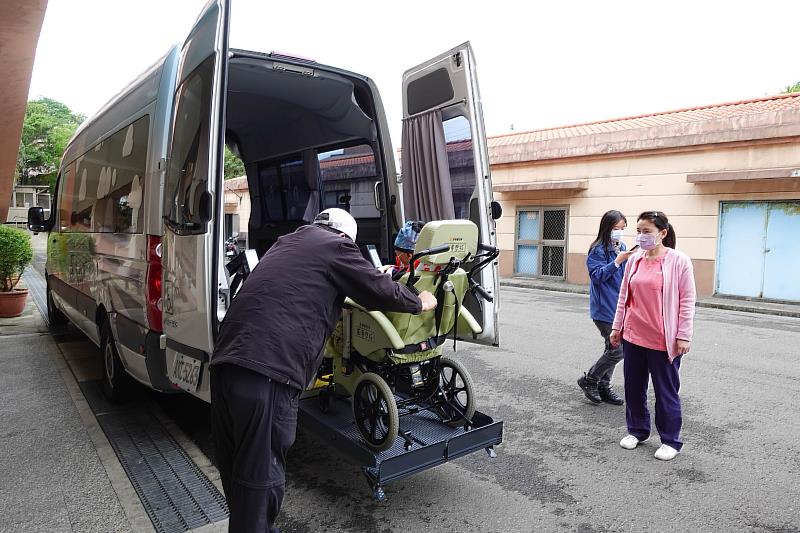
x: 425, y: 442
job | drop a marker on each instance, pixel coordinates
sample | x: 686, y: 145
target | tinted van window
x: 108, y: 183
x: 187, y: 173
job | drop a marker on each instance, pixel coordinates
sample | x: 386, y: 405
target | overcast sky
x: 540, y: 64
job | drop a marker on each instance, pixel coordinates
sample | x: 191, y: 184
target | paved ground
x: 560, y: 467
x: 51, y: 476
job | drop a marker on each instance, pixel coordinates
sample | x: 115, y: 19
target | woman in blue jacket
x: 606, y: 265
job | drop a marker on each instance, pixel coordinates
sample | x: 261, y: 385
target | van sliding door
x: 442, y: 106
x: 192, y: 206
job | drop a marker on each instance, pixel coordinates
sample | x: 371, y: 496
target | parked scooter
x: 232, y: 246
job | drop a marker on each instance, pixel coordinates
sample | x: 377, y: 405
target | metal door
x: 758, y: 250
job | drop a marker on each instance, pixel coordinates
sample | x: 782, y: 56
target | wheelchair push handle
x: 432, y: 251
x: 487, y: 248
x: 482, y: 293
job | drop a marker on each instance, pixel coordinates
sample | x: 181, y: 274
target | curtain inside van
x: 427, y: 189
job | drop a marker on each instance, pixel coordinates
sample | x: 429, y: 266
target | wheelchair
x: 391, y: 364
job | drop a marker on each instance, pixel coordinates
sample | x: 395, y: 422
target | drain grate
x: 175, y: 493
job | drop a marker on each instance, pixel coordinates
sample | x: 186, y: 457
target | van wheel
x: 116, y: 382
x: 54, y: 316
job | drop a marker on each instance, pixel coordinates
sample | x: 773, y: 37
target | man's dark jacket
x: 288, y: 306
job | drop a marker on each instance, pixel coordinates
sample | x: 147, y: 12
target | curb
x: 743, y: 307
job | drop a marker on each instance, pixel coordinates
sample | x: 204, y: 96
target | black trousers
x: 254, y: 422
x: 603, y: 369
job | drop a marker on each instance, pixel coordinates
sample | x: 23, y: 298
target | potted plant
x: 15, y: 254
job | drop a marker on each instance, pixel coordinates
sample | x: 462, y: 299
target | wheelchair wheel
x: 456, y: 385
x: 375, y: 411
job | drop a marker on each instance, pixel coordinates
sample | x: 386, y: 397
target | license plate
x: 186, y: 372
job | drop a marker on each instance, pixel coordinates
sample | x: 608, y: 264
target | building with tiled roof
x: 727, y: 175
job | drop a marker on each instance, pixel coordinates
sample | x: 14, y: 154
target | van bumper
x: 156, y: 359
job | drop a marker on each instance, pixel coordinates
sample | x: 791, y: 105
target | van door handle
x: 377, y: 197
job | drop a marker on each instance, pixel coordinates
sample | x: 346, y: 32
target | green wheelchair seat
x: 404, y: 337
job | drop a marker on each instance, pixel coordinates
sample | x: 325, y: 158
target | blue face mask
x: 616, y: 235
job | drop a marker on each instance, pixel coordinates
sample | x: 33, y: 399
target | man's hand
x: 428, y: 301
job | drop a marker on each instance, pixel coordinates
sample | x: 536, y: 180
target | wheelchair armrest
x: 383, y: 322
x: 467, y: 322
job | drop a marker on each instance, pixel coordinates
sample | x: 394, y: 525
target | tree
x: 234, y: 167
x: 794, y: 88
x: 46, y: 129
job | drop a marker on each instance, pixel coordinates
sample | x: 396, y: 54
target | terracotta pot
x: 12, y: 303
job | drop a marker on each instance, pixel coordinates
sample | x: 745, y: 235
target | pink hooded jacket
x: 679, y: 297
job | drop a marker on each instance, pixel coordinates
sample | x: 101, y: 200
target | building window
x: 541, y: 241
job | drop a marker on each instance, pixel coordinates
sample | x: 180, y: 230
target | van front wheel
x: 54, y: 316
x: 116, y: 381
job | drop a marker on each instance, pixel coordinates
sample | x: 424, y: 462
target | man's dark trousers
x: 254, y: 421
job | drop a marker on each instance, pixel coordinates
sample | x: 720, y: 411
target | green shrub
x: 15, y: 254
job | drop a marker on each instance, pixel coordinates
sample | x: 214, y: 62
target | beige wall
x: 633, y: 184
x: 241, y: 200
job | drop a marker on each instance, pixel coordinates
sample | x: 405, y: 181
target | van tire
x: 54, y: 316
x: 116, y: 382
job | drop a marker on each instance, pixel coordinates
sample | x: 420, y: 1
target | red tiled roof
x: 692, y: 114
x: 344, y: 161
x: 236, y: 184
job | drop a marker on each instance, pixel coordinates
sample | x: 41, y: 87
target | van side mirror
x: 36, y: 220
x: 497, y: 210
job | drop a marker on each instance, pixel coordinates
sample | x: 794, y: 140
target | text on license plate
x: 186, y: 372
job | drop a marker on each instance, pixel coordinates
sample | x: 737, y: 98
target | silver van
x: 136, y: 248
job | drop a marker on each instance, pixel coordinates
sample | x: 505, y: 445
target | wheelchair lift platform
x: 427, y: 442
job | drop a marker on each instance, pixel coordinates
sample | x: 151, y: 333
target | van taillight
x: 154, y: 283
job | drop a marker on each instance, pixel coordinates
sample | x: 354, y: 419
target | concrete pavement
x: 561, y: 468
x: 51, y: 476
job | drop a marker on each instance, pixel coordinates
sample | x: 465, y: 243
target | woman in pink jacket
x: 654, y: 319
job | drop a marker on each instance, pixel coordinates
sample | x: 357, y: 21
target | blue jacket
x: 605, y: 278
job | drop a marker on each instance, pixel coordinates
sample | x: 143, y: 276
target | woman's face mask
x: 616, y: 235
x: 647, y: 241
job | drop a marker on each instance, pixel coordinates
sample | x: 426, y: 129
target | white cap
x: 340, y: 220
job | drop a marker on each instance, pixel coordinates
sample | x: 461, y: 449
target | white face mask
x: 616, y: 235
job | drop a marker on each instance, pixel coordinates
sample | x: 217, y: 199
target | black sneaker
x: 608, y: 395
x: 589, y: 388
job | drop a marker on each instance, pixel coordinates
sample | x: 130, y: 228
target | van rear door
x: 446, y: 88
x: 192, y: 201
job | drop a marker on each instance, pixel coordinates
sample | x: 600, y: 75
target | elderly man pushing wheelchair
x: 270, y: 346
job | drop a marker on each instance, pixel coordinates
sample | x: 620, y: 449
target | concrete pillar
x: 20, y: 24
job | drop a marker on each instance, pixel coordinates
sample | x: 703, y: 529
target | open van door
x: 192, y: 201
x: 442, y: 105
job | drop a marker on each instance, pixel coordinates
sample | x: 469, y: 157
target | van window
x: 347, y: 180
x: 187, y: 173
x: 297, y: 187
x: 65, y: 187
x: 458, y: 137
x: 108, y: 183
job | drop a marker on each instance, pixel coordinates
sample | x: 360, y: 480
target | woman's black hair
x: 607, y: 223
x: 660, y: 220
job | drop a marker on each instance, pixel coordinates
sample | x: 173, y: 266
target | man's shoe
x: 589, y: 388
x: 666, y: 453
x: 629, y: 442
x: 608, y: 395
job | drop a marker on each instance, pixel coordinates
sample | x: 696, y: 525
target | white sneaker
x: 666, y: 453
x: 630, y: 442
